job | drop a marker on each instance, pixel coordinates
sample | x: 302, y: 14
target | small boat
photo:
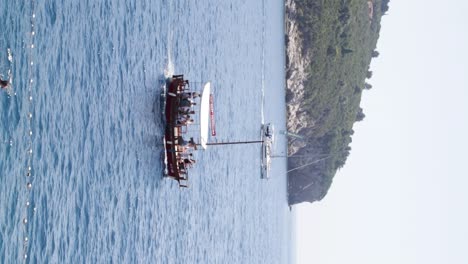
x: 269, y: 131
x: 267, y: 145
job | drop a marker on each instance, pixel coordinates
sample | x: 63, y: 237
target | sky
x: 402, y: 196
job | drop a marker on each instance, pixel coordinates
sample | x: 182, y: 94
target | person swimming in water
x: 4, y: 83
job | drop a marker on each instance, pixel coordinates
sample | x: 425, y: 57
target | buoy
x: 29, y: 185
x: 25, y: 221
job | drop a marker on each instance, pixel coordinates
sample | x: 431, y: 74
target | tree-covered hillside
x: 339, y: 37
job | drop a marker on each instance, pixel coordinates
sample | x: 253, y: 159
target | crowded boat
x: 180, y: 103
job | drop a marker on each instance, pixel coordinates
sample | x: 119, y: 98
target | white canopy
x: 205, y: 115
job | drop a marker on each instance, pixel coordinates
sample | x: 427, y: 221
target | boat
x: 267, y: 145
x: 177, y: 150
x: 269, y: 131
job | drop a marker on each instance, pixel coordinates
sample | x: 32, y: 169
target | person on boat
x: 185, y: 145
x: 184, y: 85
x: 182, y: 168
x: 189, y: 162
x: 187, y: 102
x: 186, y: 111
x: 184, y: 120
x: 185, y: 155
x: 181, y: 141
x: 4, y: 83
x: 190, y: 95
x: 192, y: 143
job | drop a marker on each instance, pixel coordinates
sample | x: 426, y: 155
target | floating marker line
x: 28, y: 173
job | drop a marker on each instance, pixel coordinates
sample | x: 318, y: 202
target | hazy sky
x: 402, y: 196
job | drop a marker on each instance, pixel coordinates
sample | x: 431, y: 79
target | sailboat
x: 267, y: 145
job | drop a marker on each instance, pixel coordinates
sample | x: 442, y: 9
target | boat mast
x: 292, y: 135
x: 233, y: 143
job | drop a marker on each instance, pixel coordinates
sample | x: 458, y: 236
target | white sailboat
x: 267, y: 145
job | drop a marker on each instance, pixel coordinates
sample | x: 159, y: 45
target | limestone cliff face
x: 296, y: 75
x: 302, y: 186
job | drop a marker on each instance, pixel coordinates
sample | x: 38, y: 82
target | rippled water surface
x: 96, y: 170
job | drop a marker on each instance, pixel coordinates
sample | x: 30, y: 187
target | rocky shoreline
x: 296, y: 65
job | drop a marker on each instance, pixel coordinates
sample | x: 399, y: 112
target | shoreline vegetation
x: 329, y: 48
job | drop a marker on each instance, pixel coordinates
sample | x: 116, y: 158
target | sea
x: 81, y: 170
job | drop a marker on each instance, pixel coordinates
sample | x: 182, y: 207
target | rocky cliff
x: 296, y: 75
x: 302, y: 186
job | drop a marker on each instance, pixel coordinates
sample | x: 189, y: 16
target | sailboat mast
x: 234, y: 143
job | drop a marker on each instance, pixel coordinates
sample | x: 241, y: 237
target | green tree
x: 384, y: 6
x: 345, y: 51
x: 360, y: 115
x: 331, y: 51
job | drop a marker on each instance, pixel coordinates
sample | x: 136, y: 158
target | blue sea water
x: 98, y: 195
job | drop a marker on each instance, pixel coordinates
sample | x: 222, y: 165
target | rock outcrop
x: 296, y: 75
x: 302, y: 186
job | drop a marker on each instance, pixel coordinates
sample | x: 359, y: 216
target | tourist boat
x: 175, y: 146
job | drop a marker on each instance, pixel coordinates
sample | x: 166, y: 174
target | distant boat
x: 267, y: 145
